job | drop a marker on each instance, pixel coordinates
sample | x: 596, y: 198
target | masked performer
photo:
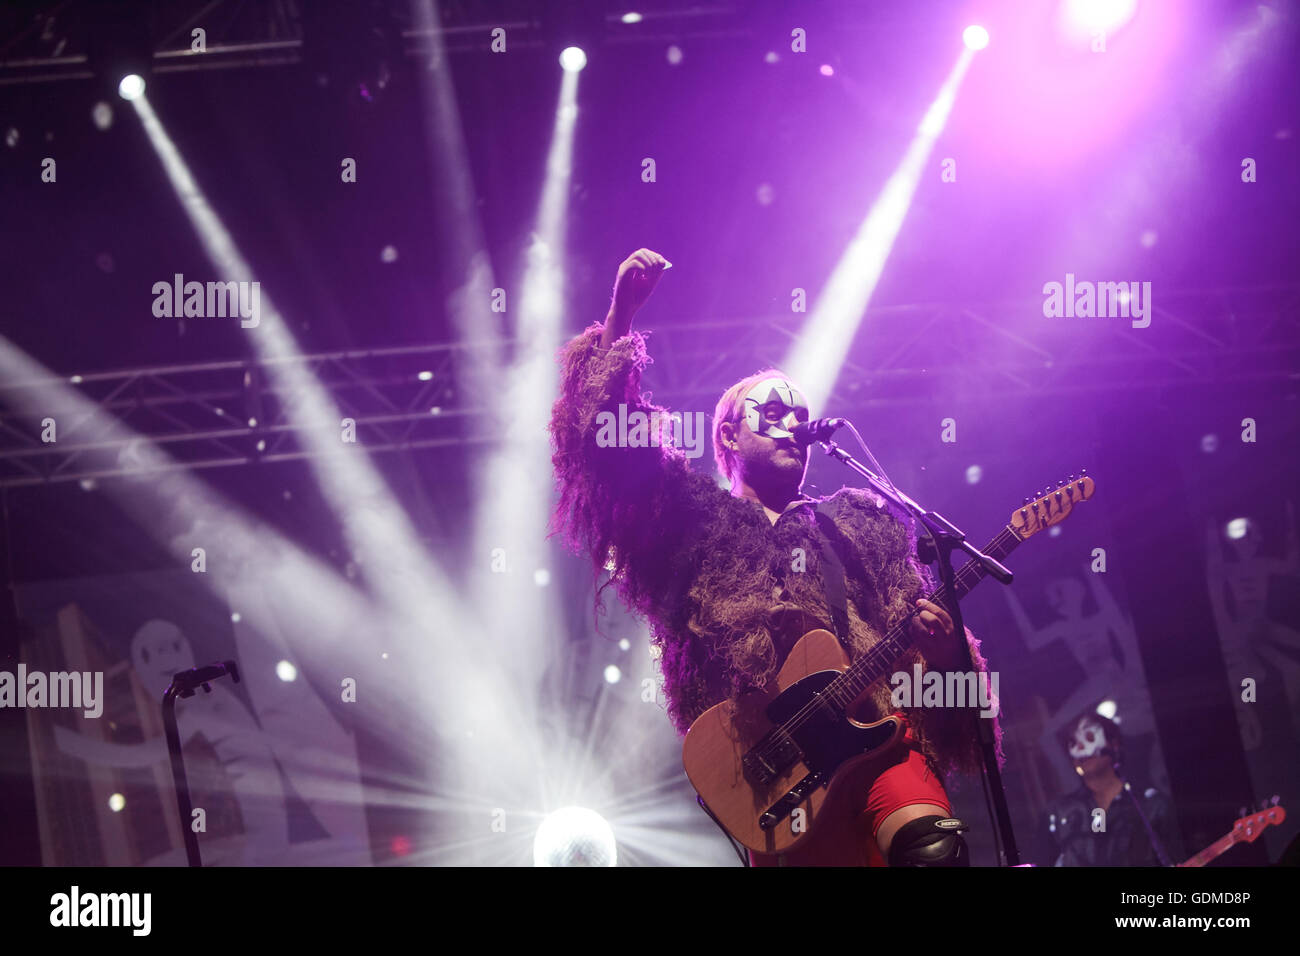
x: 718, y: 575
x: 1108, y: 822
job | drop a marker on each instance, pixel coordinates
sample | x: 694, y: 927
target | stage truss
x: 230, y: 413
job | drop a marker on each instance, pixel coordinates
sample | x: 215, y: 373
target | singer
x: 730, y: 581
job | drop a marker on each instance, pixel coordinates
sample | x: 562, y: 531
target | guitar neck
x: 874, y: 664
x: 1221, y: 845
x: 1247, y: 828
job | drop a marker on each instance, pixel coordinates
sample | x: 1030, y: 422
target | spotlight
x: 286, y: 671
x: 131, y: 87
x: 973, y: 474
x: 975, y: 37
x: 116, y: 802
x: 612, y: 674
x: 1107, y: 709
x: 631, y: 17
x: 1237, y: 528
x: 1097, y: 16
x: 574, y: 836
x: 573, y: 59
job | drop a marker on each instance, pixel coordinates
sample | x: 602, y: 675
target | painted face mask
x: 1089, y: 740
x: 773, y: 407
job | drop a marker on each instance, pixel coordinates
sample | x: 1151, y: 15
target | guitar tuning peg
x: 1276, y: 799
x: 1241, y: 811
x: 1072, y: 477
x: 1082, y: 472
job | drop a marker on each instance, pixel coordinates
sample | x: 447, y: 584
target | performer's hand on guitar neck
x: 932, y: 632
x: 638, y: 275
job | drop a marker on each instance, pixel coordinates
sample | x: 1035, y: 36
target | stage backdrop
x: 274, y: 770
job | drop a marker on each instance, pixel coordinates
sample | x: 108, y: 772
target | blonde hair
x: 731, y: 408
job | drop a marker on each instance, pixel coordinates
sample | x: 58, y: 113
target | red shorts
x: 873, y: 794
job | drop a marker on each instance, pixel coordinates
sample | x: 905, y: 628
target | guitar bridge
x: 768, y: 758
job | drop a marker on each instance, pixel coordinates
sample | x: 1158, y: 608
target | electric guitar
x: 1246, y: 829
x: 768, y: 764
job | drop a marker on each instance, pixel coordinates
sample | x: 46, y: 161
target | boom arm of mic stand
x: 935, y: 523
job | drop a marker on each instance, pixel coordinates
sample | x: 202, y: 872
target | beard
x: 782, y: 466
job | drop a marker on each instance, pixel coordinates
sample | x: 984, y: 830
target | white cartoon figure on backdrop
x: 159, y: 649
x: 1254, y: 645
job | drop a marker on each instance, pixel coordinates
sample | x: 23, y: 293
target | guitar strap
x: 833, y: 573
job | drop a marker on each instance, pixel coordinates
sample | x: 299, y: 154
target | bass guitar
x: 1244, y: 830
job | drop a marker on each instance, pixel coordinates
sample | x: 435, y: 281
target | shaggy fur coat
x: 711, y: 573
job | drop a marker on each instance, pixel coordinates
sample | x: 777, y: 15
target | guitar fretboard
x: 1210, y: 852
x: 875, y: 663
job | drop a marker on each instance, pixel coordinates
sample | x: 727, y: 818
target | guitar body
x: 771, y: 764
x: 841, y: 749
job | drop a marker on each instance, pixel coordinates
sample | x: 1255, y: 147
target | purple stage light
x: 131, y: 87
x: 573, y: 59
x: 1090, y: 17
x: 975, y: 37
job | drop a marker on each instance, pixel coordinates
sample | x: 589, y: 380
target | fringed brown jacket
x: 716, y: 580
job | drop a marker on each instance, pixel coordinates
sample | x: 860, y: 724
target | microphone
x: 819, y: 429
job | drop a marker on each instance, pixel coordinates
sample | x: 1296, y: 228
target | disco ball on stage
x: 574, y: 836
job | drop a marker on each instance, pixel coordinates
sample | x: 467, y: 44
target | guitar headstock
x: 1052, y: 506
x: 1250, y: 826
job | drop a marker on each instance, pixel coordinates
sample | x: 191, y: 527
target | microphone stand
x: 1156, y: 845
x: 943, y: 538
x: 185, y: 684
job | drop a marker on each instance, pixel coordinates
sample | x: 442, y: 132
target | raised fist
x: 638, y: 275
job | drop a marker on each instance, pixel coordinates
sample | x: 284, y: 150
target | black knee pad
x: 930, y: 841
